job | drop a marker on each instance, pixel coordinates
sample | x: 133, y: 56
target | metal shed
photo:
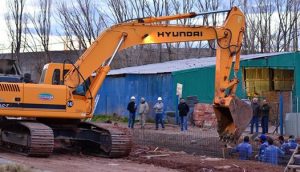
x: 196, y: 75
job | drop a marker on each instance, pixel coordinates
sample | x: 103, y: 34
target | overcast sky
x: 31, y: 6
x: 3, y: 29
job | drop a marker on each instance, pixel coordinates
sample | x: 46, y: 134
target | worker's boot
x: 233, y: 120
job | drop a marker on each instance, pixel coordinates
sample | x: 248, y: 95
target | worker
x: 262, y: 147
x: 131, y: 107
x: 272, y: 153
x: 183, y: 109
x: 143, y: 111
x: 159, y: 109
x: 265, y: 110
x: 281, y: 140
x: 244, y: 149
x: 255, y: 118
x: 289, y: 145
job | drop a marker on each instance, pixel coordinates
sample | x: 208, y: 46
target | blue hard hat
x: 263, y: 137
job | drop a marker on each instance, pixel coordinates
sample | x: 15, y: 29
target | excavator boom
x: 232, y: 119
x: 58, y: 108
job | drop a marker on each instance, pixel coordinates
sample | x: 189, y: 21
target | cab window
x: 56, y: 77
x: 42, y: 79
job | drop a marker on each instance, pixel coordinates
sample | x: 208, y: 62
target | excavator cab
x: 53, y: 73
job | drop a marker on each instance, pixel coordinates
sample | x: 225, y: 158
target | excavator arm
x: 61, y: 99
x: 58, y: 107
x: 131, y: 34
x: 228, y: 38
x: 149, y: 31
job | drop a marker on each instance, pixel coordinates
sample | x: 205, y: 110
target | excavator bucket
x: 233, y: 120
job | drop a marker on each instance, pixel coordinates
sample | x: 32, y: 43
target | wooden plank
x: 294, y: 166
x: 152, y: 156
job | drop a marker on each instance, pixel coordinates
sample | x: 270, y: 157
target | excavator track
x: 32, y: 138
x: 27, y: 138
x: 115, y: 141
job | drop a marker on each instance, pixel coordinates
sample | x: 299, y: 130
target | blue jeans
x: 254, y: 121
x: 183, y: 122
x: 159, y: 120
x: 264, y: 124
x: 131, y: 120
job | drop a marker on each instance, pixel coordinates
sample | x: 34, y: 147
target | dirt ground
x: 141, y: 159
x: 151, y: 152
x: 81, y: 163
x: 193, y: 163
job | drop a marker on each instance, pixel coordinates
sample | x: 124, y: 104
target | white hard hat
x: 159, y: 99
x: 132, y: 98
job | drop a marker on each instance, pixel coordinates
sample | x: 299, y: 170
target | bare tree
x: 271, y: 25
x: 212, y: 19
x: 288, y: 14
x: 82, y: 21
x: 15, y: 20
x: 125, y: 10
x: 37, y: 36
x: 122, y: 10
x: 263, y: 12
x: 158, y: 8
x: 42, y: 25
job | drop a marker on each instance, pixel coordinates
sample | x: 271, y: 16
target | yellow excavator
x: 56, y: 107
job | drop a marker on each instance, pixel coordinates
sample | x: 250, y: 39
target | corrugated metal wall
x: 117, y: 90
x: 201, y: 82
x: 197, y: 82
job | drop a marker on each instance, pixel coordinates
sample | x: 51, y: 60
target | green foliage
x: 113, y: 118
x: 150, y: 120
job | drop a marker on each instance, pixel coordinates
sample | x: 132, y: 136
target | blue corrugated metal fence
x: 117, y: 90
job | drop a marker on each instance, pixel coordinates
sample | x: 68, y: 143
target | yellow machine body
x: 56, y: 96
x: 40, y: 100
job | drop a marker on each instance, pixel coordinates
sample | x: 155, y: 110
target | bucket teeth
x: 231, y: 138
x: 227, y: 137
x: 221, y: 137
x: 232, y: 119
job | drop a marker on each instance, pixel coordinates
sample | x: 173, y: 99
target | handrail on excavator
x: 173, y: 17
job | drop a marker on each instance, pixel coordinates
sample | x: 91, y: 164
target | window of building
x: 259, y: 80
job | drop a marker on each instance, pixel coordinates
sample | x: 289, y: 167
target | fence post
x: 177, y: 112
x: 297, y: 101
x: 281, y: 112
x: 297, y: 116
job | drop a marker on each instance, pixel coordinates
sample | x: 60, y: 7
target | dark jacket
x: 265, y: 110
x: 131, y: 107
x: 183, y: 109
x: 255, y: 109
